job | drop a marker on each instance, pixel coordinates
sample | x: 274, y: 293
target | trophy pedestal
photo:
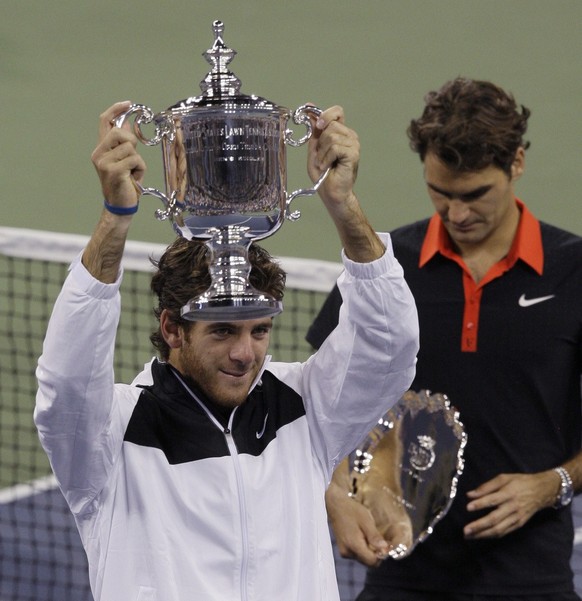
x: 230, y: 296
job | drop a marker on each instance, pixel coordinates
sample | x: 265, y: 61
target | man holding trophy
x: 205, y: 477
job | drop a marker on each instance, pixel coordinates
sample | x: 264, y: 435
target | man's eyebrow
x: 466, y: 196
x: 211, y: 326
x: 476, y: 193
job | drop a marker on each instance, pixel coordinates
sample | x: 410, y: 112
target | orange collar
x: 527, y: 244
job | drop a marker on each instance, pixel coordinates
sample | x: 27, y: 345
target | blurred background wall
x: 64, y: 61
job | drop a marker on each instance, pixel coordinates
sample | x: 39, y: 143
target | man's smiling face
x: 223, y: 359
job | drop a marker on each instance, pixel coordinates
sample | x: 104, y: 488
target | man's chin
x: 226, y: 399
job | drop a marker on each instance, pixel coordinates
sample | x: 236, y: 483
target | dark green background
x: 63, y: 62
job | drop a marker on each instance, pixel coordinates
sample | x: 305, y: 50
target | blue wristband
x: 120, y: 210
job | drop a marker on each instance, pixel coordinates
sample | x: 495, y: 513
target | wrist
x: 122, y: 211
x: 336, y: 490
x: 566, y: 490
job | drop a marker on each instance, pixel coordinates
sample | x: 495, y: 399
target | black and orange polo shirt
x: 527, y: 246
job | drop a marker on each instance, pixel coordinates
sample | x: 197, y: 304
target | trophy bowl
x: 225, y: 171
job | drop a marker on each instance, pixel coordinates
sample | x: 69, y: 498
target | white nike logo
x: 528, y: 302
x: 260, y: 434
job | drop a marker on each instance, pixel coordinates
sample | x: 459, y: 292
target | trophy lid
x: 221, y: 86
x: 220, y: 81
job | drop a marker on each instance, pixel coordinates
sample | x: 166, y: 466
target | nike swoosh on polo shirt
x: 528, y: 302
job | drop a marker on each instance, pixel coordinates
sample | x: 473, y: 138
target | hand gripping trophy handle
x: 164, y: 129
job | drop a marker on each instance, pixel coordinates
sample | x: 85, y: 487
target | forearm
x: 360, y: 242
x: 336, y: 147
x: 574, y: 467
x: 120, y: 169
x: 104, y: 251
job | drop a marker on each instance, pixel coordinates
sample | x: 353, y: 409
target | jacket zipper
x: 242, y: 511
x: 239, y: 484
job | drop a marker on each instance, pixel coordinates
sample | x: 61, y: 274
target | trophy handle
x: 301, y: 117
x: 164, y: 129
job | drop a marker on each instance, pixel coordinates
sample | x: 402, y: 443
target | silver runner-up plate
x: 411, y: 487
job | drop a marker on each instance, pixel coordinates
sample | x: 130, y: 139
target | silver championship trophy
x: 226, y: 175
x: 411, y: 493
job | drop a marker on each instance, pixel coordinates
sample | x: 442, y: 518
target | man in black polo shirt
x: 499, y: 297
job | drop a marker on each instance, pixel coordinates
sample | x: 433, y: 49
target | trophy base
x: 231, y: 308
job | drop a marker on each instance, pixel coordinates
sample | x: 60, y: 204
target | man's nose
x: 457, y: 211
x: 242, y: 349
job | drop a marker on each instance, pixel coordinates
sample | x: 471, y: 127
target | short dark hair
x: 470, y: 125
x: 182, y: 274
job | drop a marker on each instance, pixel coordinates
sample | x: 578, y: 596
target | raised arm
x: 76, y: 396
x: 335, y: 145
x: 119, y: 166
x: 368, y: 361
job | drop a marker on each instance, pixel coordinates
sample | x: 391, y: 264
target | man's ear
x: 518, y: 165
x: 171, y: 331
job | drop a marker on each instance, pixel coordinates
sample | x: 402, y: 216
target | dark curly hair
x: 470, y: 125
x: 182, y: 274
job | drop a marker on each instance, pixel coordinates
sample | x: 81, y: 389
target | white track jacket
x: 172, y: 506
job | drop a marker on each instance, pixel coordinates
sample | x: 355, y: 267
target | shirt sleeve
x: 326, y: 320
x: 78, y: 407
x: 366, y: 363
